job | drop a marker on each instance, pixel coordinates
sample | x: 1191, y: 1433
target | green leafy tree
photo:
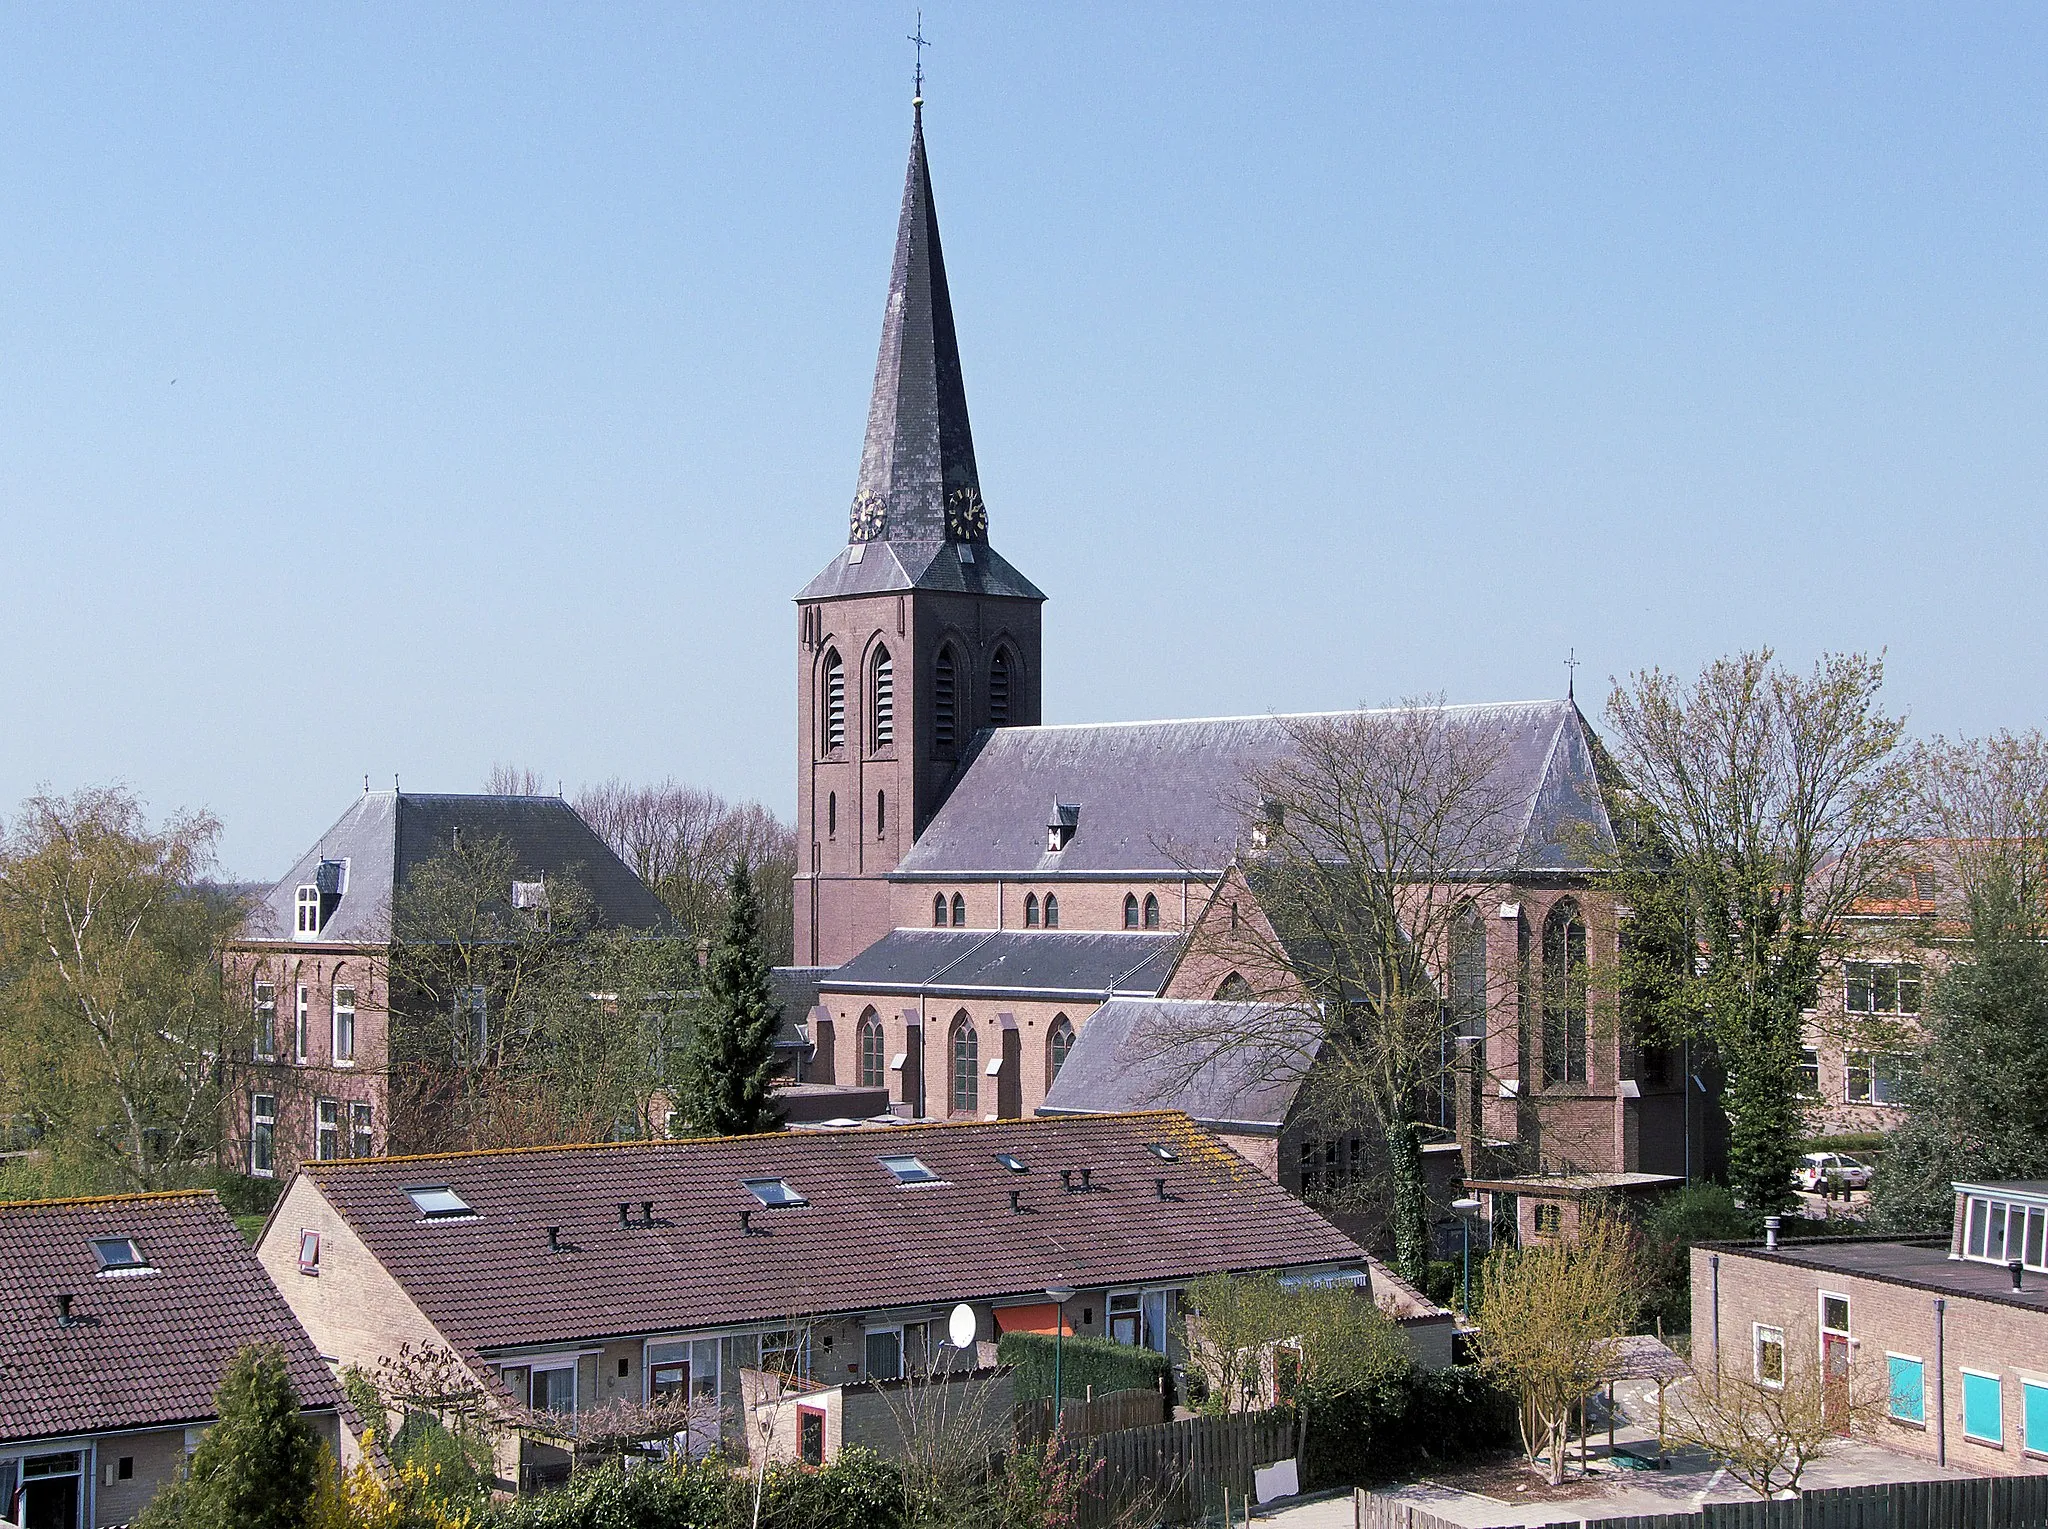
x: 730, y: 1069
x: 259, y: 1467
x: 1763, y: 805
x: 1699, y: 1212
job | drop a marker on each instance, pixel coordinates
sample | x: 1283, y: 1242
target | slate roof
x: 918, y: 457
x: 384, y: 834
x: 1026, y: 962
x: 1167, y: 797
x: 860, y: 1242
x: 796, y: 989
x: 148, y: 1350
x: 1121, y: 1061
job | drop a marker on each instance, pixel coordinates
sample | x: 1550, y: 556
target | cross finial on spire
x: 918, y: 37
x: 1571, y: 665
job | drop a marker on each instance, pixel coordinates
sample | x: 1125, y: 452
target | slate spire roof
x: 917, y: 519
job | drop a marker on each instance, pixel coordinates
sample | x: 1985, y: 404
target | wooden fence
x: 1178, y: 1471
x: 1993, y: 1502
x: 1091, y: 1416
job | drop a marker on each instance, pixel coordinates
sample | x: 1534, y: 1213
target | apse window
x: 437, y: 1202
x: 910, y: 1170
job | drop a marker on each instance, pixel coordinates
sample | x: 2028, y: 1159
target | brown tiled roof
x: 861, y: 1242
x: 144, y: 1349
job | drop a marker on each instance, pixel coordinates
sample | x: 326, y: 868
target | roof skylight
x: 1163, y: 1152
x: 1011, y: 1161
x: 774, y: 1192
x: 910, y: 1170
x: 119, y: 1255
x: 437, y: 1202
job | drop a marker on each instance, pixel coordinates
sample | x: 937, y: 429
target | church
x: 989, y: 908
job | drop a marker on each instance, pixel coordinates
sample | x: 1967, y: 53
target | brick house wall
x: 1886, y: 1317
x: 299, y: 1085
x: 1026, y: 1031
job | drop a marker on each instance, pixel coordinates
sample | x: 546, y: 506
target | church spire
x: 918, y: 484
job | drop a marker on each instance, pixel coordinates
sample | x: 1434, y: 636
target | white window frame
x: 1891, y: 1395
x: 1821, y: 1315
x: 1756, y: 1355
x: 260, y: 1120
x: 302, y: 1021
x: 344, y: 1056
x: 1977, y: 1210
x: 536, y: 1368
x: 362, y: 1129
x: 902, y: 1350
x: 1997, y: 1380
x: 266, y: 1030
x: 1154, y: 1311
x: 306, y: 913
x: 326, y: 1130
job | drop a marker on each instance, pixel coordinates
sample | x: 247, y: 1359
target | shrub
x: 858, y: 1490
x: 1084, y: 1362
x: 259, y: 1467
x: 680, y: 1495
x: 1392, y: 1427
x: 1696, y: 1213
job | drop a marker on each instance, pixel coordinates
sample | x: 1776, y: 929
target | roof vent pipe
x: 647, y: 1213
x: 625, y: 1214
x: 1067, y: 1179
x: 1085, y: 1174
x: 1771, y: 1225
x: 2016, y: 1266
x: 1015, y: 1208
x: 1159, y: 1188
x: 746, y: 1221
x: 554, y: 1239
x: 64, y: 1317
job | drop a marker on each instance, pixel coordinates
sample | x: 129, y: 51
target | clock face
x: 869, y: 515
x: 966, y: 515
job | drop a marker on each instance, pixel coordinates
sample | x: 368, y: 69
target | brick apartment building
x: 1958, y: 1326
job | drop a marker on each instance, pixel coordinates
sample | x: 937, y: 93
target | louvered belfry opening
x: 885, y: 700
x: 999, y: 689
x: 945, y: 702
x: 835, y: 701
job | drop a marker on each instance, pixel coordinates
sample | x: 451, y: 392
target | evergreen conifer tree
x: 731, y: 1062
x: 258, y: 1467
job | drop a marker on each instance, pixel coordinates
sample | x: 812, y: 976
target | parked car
x: 1816, y: 1168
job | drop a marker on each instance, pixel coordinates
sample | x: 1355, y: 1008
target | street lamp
x: 1059, y: 1295
x: 1466, y: 1209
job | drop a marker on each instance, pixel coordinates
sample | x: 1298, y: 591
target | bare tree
x: 1365, y: 850
x: 1769, y: 1426
x: 1762, y: 806
x: 1986, y: 800
x: 519, y: 780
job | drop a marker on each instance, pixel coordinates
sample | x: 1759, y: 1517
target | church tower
x: 918, y: 634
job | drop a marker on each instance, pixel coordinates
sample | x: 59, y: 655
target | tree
x: 729, y: 1071
x: 259, y: 1467
x: 113, y: 1010
x: 523, y: 1025
x: 1764, y: 805
x: 1767, y: 1429
x: 1700, y: 1212
x: 1366, y: 848
x: 1549, y: 1317
x: 684, y: 841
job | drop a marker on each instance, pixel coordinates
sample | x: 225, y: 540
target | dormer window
x: 1061, y: 826
x: 306, y: 924
x: 532, y: 895
x: 119, y: 1255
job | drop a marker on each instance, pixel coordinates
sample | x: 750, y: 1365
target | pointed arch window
x: 959, y: 911
x: 882, y: 689
x: 1151, y: 911
x: 873, y: 1065
x: 1052, y: 911
x: 999, y: 689
x: 1130, y: 910
x: 1030, y: 910
x: 945, y: 702
x: 835, y: 701
x: 1468, y: 980
x: 1564, y: 994
x: 966, y: 1052
x: 939, y: 910
x: 1059, y: 1043
x: 1234, y: 989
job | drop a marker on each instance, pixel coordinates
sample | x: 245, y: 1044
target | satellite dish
x: 962, y: 1326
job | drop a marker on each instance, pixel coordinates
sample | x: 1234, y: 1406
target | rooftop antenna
x: 1571, y: 665
x: 918, y: 37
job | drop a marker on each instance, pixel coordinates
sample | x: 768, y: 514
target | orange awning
x: 1042, y: 1318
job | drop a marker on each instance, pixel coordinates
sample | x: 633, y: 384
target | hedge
x: 1084, y: 1362
x: 858, y: 1490
x: 1411, y: 1420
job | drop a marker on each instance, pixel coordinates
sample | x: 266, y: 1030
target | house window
x: 787, y: 1352
x: 1877, y: 1077
x: 1468, y: 981
x: 999, y: 689
x: 1770, y: 1356
x: 472, y: 1023
x: 1031, y: 910
x: 1138, y: 1318
x: 266, y: 1020
x: 835, y: 701
x: 344, y: 1024
x: 1151, y: 911
x: 1234, y: 989
x: 1059, y: 1043
x: 1998, y: 1231
x: 884, y: 1355
x: 327, y: 1131
x: 1130, y: 910
x: 2034, y: 1417
x: 774, y: 1193
x: 966, y: 1067
x: 302, y: 1017
x: 306, y: 921
x: 959, y: 911
x: 884, y: 689
x: 262, y: 1135
x: 1332, y: 1163
x: 1983, y: 1408
x: 872, y: 1061
x: 810, y: 1436
x: 1549, y: 1218
x: 554, y: 1390
x: 945, y: 703
x: 1809, y: 1073
x: 939, y: 911
x: 1881, y: 987
x: 1052, y: 911
x: 1908, y: 1399
x: 361, y: 1142
x: 1564, y: 994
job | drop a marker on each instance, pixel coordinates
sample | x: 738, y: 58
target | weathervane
x: 918, y: 37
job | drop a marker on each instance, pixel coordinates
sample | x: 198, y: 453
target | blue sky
x: 400, y: 388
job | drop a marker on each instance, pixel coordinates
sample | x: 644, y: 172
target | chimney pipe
x: 1015, y: 1208
x: 746, y: 1221
x: 2016, y: 1266
x: 64, y: 1317
x: 1067, y: 1179
x: 625, y: 1214
x: 1085, y: 1175
x: 1159, y: 1188
x: 1771, y: 1225
x: 647, y: 1213
x: 554, y: 1239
